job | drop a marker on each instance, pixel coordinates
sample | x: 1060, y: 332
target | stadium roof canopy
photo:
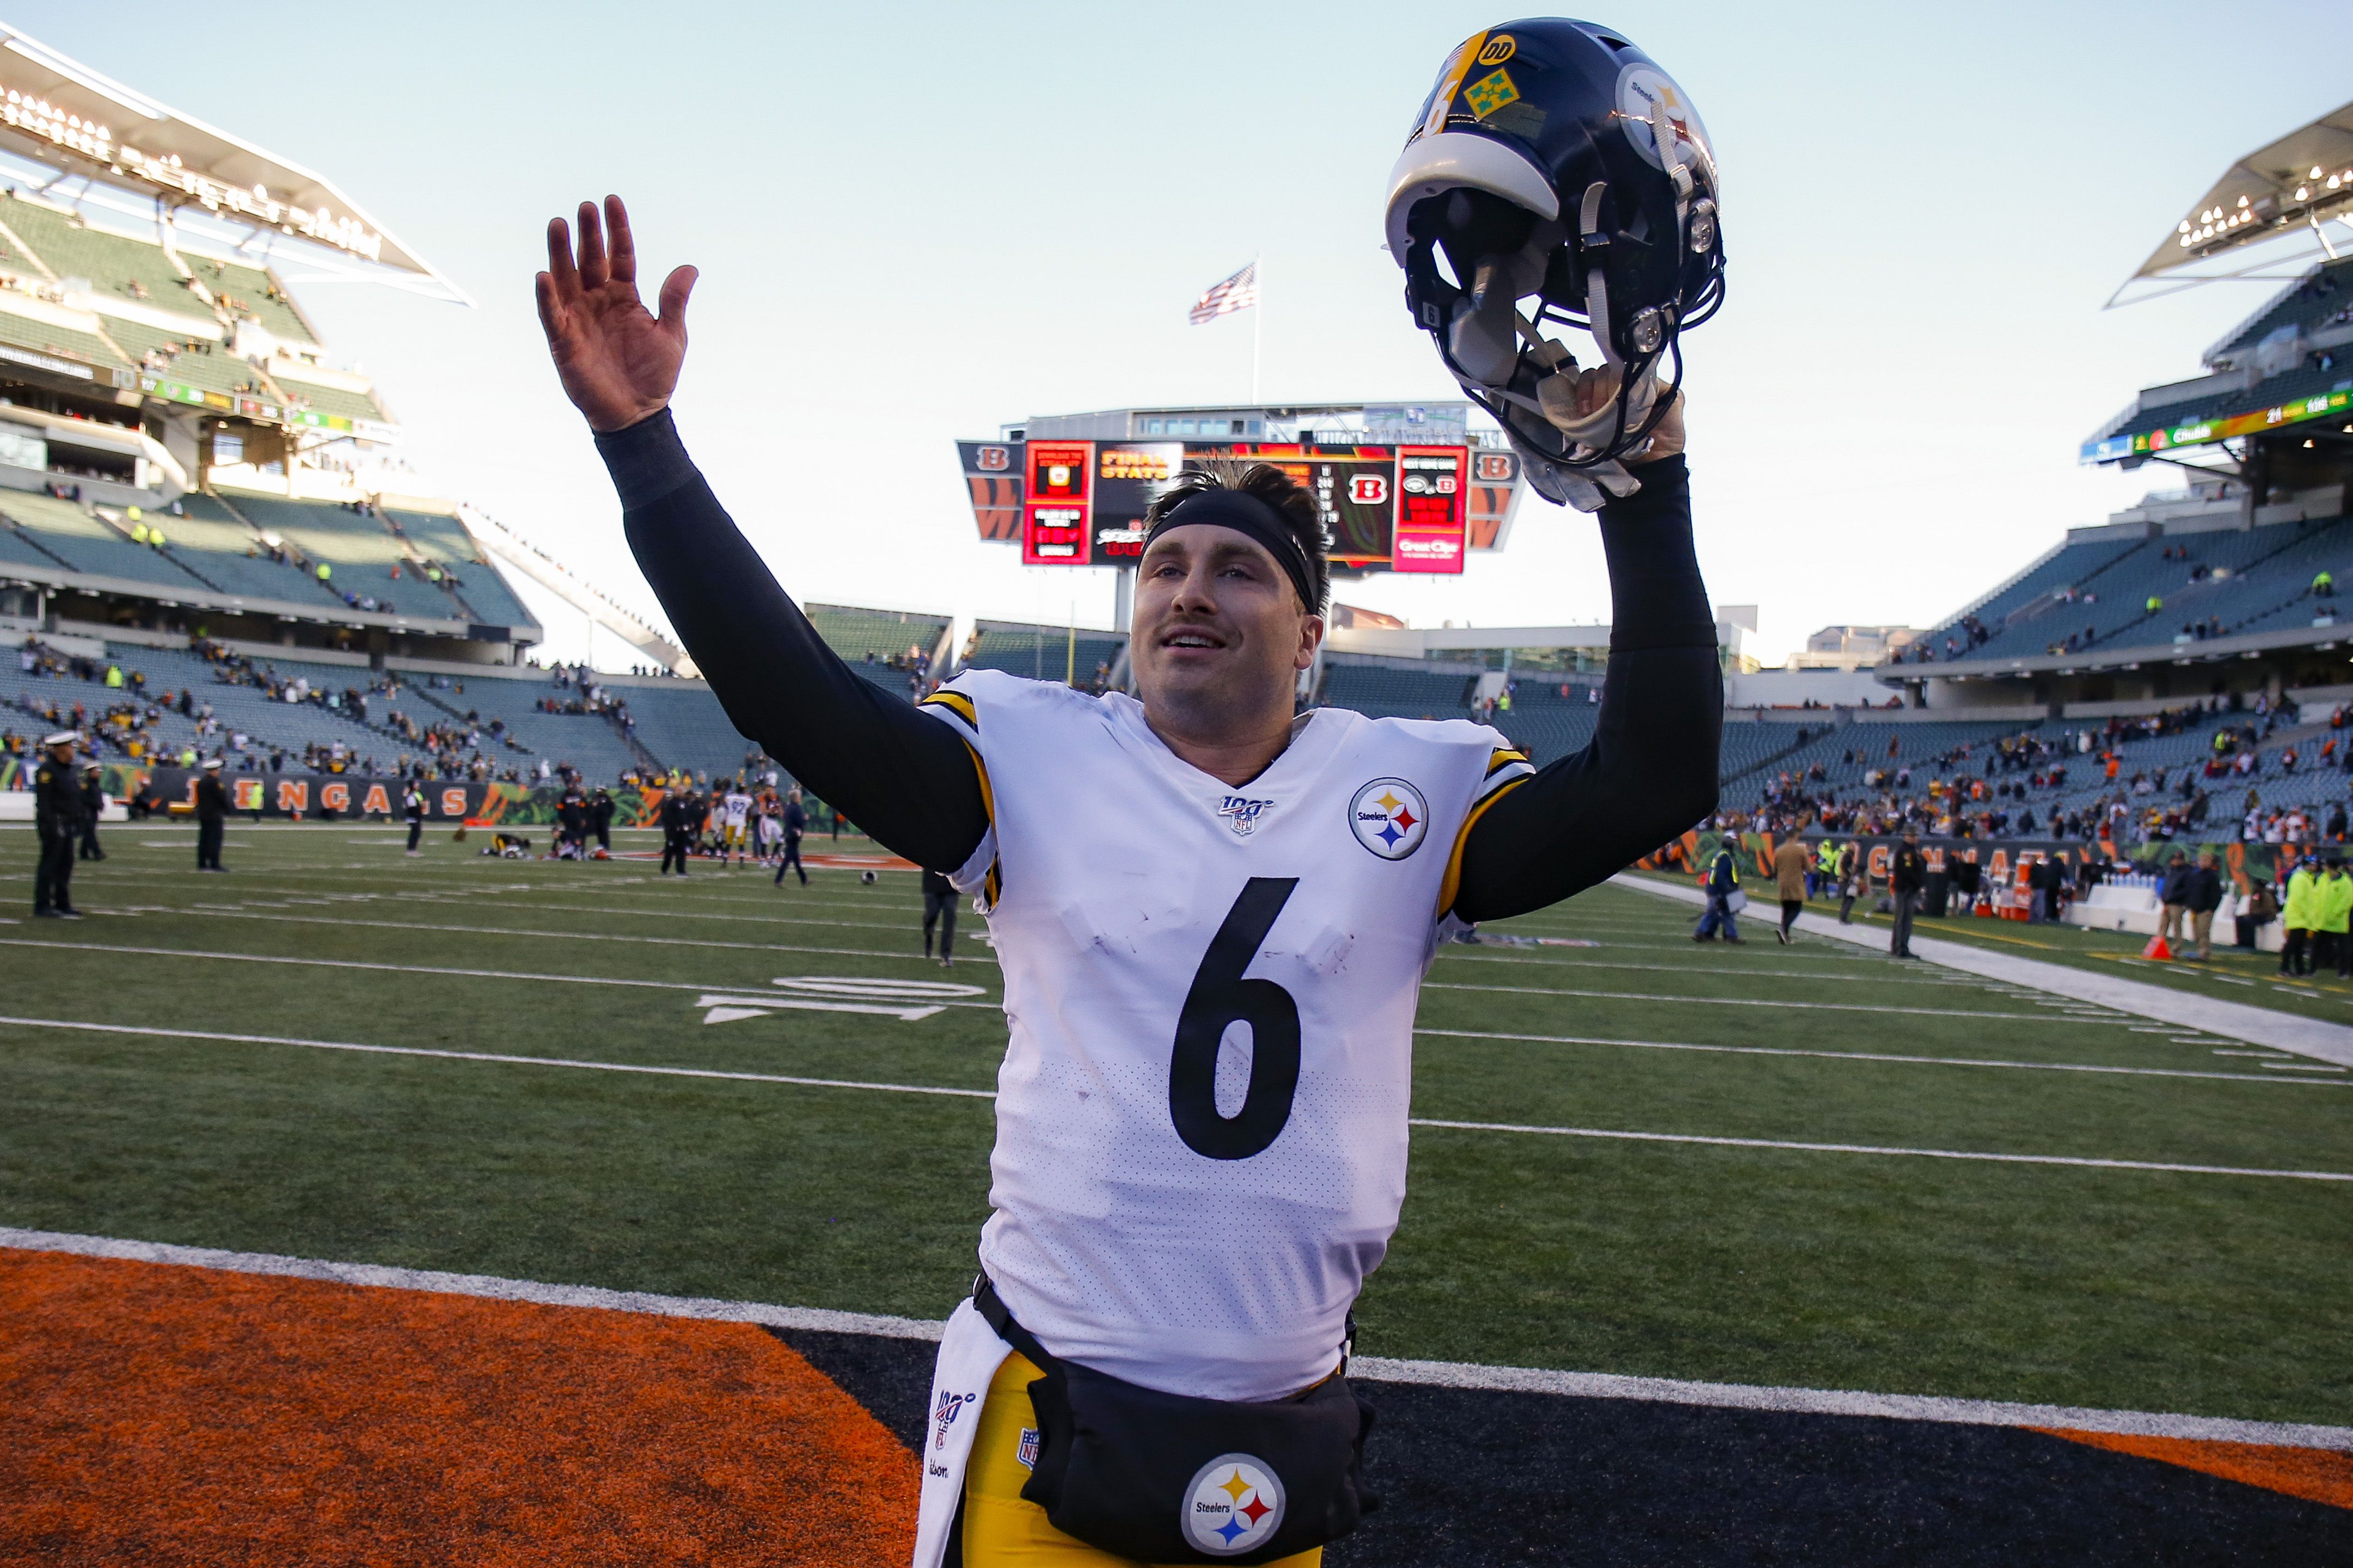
x: 2301, y: 182
x: 64, y: 115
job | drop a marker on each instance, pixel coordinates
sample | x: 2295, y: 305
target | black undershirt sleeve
x: 902, y: 776
x: 1651, y: 770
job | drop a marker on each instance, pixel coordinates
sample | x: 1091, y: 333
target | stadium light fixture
x: 82, y: 77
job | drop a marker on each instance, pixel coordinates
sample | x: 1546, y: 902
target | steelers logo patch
x: 1390, y: 817
x: 1233, y: 1505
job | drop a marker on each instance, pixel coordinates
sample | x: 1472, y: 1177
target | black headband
x: 1245, y: 513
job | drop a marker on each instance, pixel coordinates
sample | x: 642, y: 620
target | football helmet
x: 1554, y: 162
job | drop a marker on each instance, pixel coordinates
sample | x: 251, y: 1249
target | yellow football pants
x: 1001, y: 1528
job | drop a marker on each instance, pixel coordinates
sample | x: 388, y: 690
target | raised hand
x: 618, y: 361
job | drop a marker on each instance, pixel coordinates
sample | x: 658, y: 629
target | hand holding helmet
x: 1556, y: 175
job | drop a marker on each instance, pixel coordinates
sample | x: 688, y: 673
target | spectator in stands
x: 2324, y: 586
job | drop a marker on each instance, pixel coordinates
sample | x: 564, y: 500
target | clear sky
x: 919, y: 222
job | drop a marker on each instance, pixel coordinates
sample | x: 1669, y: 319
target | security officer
x: 412, y: 806
x: 94, y: 800
x: 57, y: 812
x: 676, y: 807
x: 212, y: 814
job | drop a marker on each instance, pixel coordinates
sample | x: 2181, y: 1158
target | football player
x: 1213, y: 914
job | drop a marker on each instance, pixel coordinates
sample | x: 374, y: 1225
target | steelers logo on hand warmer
x: 1390, y: 817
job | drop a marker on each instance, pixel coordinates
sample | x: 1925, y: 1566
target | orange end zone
x: 2317, y: 1474
x: 160, y: 1412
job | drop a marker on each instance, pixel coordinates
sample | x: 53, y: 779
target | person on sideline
x: 2174, y: 894
x: 412, y: 806
x: 212, y: 817
x: 57, y: 811
x: 795, y: 824
x: 1905, y: 878
x: 1850, y: 880
x: 1793, y: 863
x: 2300, y: 901
x: 2205, y: 898
x: 2332, y: 943
x: 1722, y: 882
x: 94, y: 800
x: 939, y: 909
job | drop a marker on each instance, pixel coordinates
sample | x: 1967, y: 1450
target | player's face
x: 1218, y: 625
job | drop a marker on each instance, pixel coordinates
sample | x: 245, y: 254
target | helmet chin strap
x: 1594, y: 246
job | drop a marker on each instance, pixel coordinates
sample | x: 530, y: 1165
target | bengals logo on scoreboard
x: 990, y: 459
x: 1369, y: 489
x: 1493, y: 468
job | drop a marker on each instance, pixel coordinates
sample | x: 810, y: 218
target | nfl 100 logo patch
x: 944, y: 1416
x: 1242, y: 814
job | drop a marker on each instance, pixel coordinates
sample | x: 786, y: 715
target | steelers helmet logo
x: 1233, y: 1505
x: 1390, y: 817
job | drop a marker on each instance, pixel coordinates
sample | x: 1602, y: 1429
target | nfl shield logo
x: 1028, y: 1452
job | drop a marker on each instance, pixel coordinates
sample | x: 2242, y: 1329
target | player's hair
x: 1270, y: 484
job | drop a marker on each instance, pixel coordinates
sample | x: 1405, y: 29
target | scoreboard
x: 1387, y: 507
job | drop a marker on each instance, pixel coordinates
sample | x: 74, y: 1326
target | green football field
x: 1906, y: 1259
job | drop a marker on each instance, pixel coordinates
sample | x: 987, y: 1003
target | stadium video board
x: 1082, y: 504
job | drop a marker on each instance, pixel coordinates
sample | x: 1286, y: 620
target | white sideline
x: 2257, y: 1025
x: 1375, y: 1369
x: 1601, y: 1133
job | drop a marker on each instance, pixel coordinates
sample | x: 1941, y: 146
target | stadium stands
x: 45, y: 333
x: 333, y: 400
x: 682, y: 723
x: 190, y: 358
x: 216, y: 545
x: 891, y: 648
x: 1392, y: 689
x: 250, y: 293
x: 440, y: 538
x: 65, y: 531
x: 359, y: 551
x: 60, y: 246
x: 1041, y: 652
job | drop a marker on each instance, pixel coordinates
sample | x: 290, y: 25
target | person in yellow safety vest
x: 1825, y: 872
x: 2153, y: 605
x: 114, y: 677
x: 2336, y: 917
x: 2324, y: 586
x: 2300, y: 915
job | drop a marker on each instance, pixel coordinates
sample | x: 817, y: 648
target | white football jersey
x: 736, y: 805
x: 1201, y: 1116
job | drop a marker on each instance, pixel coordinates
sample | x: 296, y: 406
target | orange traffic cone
x: 2157, y: 951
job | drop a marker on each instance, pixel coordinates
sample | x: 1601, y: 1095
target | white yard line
x: 1376, y: 1369
x: 1882, y: 1149
x: 496, y: 1056
x: 2233, y: 1020
x: 1887, y: 1056
x: 980, y: 954
x: 1761, y: 1001
x: 1432, y: 1123
x: 465, y: 973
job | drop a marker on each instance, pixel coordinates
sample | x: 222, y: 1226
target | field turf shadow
x: 1471, y: 1477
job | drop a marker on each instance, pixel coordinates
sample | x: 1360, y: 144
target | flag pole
x: 1257, y: 321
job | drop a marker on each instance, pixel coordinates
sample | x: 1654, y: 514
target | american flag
x: 1239, y: 292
